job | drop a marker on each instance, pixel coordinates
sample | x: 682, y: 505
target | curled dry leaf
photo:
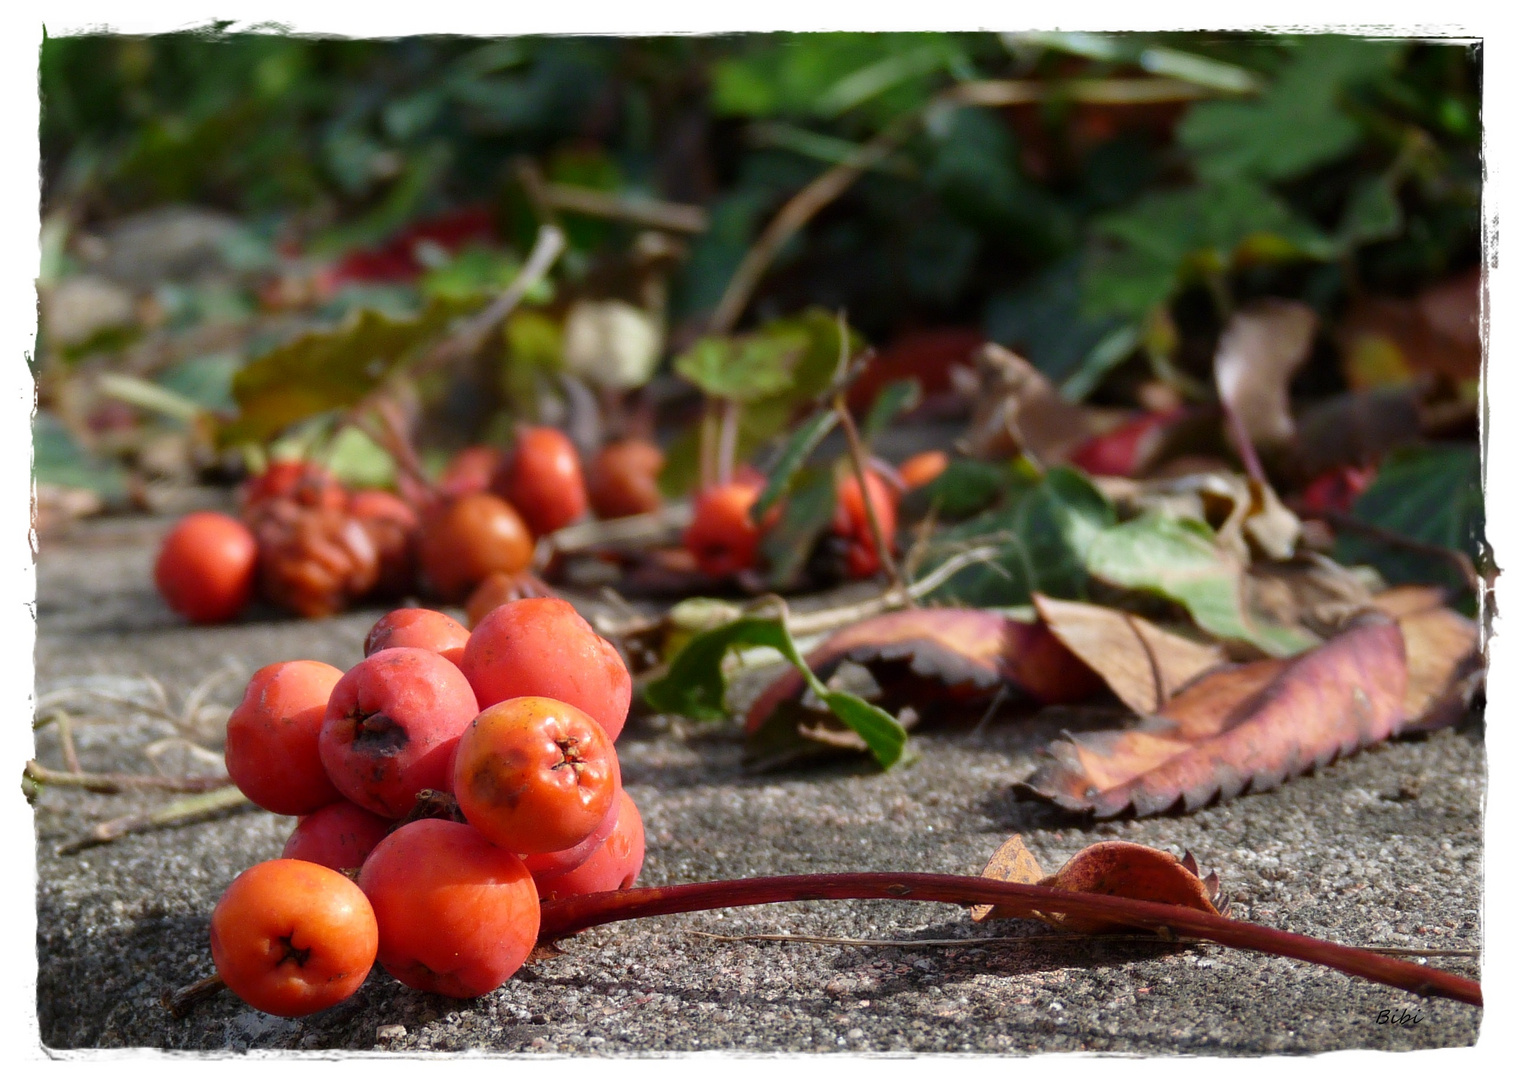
x: 1258, y: 353
x: 1141, y: 663
x: 1445, y: 664
x: 1247, y: 727
x: 1019, y: 411
x: 966, y: 650
x: 1108, y: 868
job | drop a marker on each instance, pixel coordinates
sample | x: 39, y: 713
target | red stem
x: 563, y: 918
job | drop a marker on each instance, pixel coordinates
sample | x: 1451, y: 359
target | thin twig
x: 1030, y: 939
x: 797, y: 211
x: 180, y: 1002
x: 1457, y: 559
x: 563, y: 918
x: 115, y: 783
x: 857, y: 458
x: 968, y: 943
x: 469, y: 337
x: 649, y: 213
x: 178, y: 812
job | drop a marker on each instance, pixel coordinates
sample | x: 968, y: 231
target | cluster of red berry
x: 306, y: 543
x: 724, y: 538
x: 515, y: 720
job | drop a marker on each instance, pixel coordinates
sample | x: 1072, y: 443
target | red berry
x: 391, y: 728
x: 924, y: 468
x: 206, y: 567
x: 623, y: 479
x: 614, y: 865
x: 466, y: 539
x: 339, y: 836
x: 272, y: 737
x: 292, y: 938
x: 541, y: 647
x: 721, y: 536
x: 851, y: 522
x: 457, y: 915
x: 418, y: 628
x: 392, y: 525
x: 535, y: 775
x: 542, y: 479
x: 306, y: 482
x: 470, y: 470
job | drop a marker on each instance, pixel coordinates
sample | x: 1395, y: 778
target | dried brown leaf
x: 1249, y: 727
x: 1018, y: 410
x: 967, y: 652
x: 1259, y: 351
x: 1444, y: 667
x: 1141, y: 663
x: 1108, y: 868
x: 1013, y: 861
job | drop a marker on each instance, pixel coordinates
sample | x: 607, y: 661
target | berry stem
x: 566, y: 917
x: 857, y: 459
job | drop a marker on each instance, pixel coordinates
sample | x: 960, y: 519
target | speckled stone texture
x: 1380, y: 849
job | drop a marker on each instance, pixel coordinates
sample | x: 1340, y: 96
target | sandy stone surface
x: 1381, y: 849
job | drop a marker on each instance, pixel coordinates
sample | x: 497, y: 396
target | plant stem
x: 563, y: 918
x: 857, y: 463
x: 114, y: 783
x: 178, y: 812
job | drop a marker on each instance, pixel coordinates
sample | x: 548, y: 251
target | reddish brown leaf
x: 1108, y: 868
x: 1249, y: 727
x: 1141, y: 663
x: 967, y: 651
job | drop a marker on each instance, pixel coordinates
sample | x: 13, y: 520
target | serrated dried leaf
x: 1108, y: 868
x: 968, y: 651
x: 1141, y: 663
x: 1248, y: 727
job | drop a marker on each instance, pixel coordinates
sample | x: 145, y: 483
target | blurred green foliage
x: 1309, y: 166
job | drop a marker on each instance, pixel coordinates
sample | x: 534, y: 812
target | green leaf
x: 58, y: 459
x: 894, y: 399
x: 798, y: 448
x: 1372, y: 214
x: 1044, y: 321
x: 807, y: 515
x: 1039, y: 539
x: 327, y: 369
x: 737, y: 369
x: 1169, y: 238
x: 965, y: 487
x: 1432, y: 494
x: 1296, y: 125
x: 695, y: 685
x: 1177, y: 558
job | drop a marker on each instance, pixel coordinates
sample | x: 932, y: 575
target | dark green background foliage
x: 1059, y: 227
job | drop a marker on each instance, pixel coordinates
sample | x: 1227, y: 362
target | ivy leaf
x: 695, y: 685
x: 328, y: 369
x: 1039, y: 542
x: 1296, y: 125
x: 1432, y: 494
x: 1169, y: 238
x: 966, y: 487
x: 1178, y: 558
